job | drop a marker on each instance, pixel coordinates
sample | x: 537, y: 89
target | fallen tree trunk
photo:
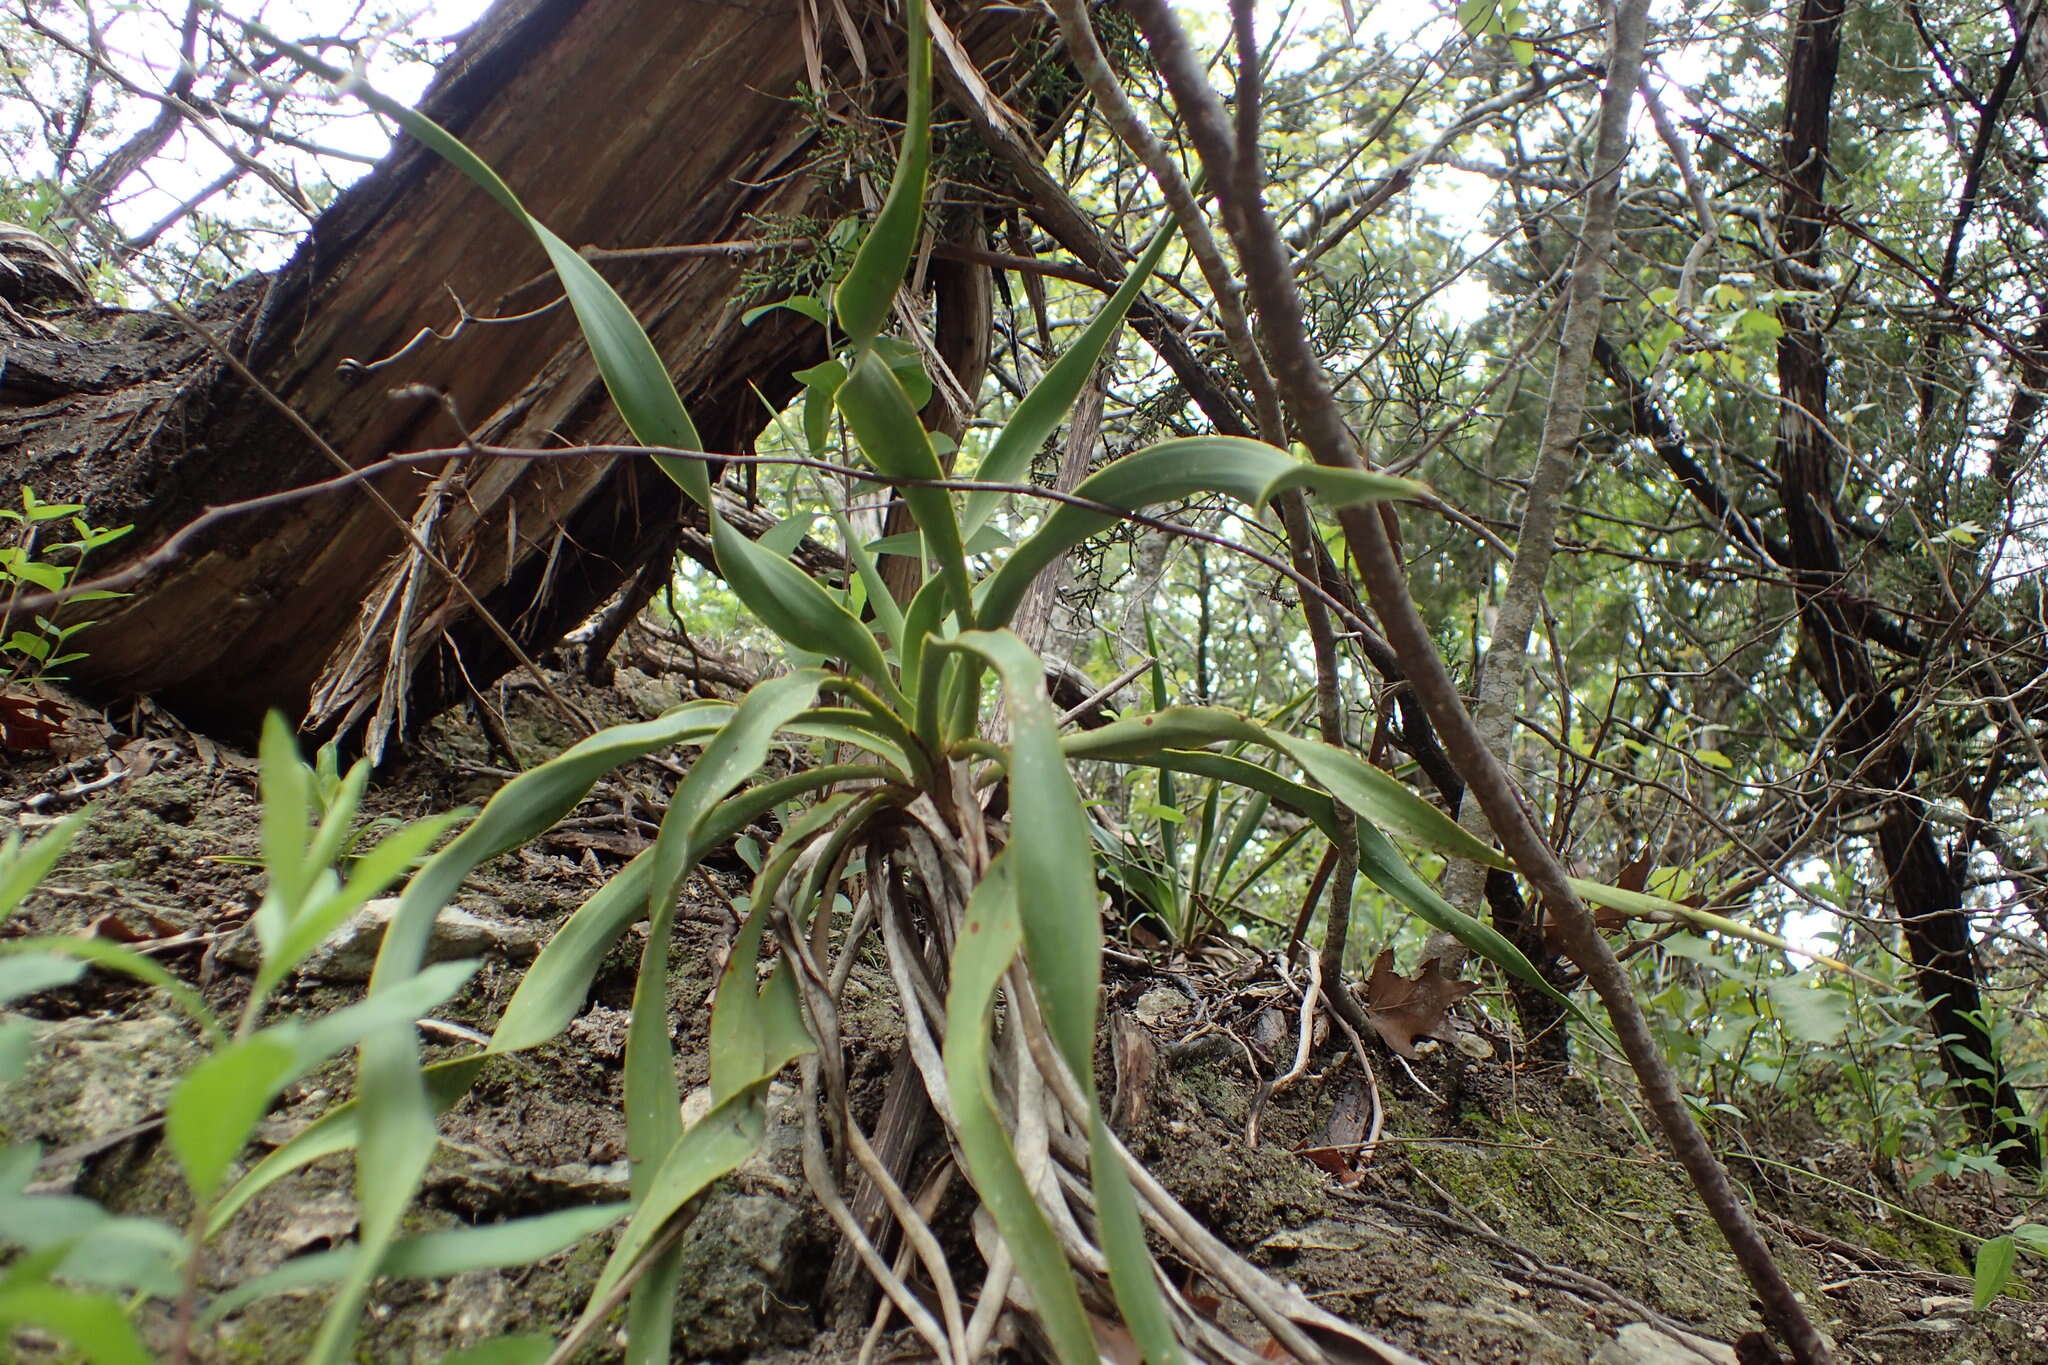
x: 623, y: 123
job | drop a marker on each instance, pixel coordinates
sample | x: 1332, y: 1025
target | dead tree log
x: 623, y: 123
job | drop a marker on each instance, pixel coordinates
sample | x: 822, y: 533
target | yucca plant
x: 991, y: 926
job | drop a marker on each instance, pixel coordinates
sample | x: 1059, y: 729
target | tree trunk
x: 1924, y: 887
x: 622, y: 123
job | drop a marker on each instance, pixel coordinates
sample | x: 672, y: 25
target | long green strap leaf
x: 1041, y: 411
x: 1378, y: 860
x: 1379, y: 796
x: 626, y: 359
x: 554, y: 988
x: 737, y: 1039
x: 989, y: 939
x: 795, y: 606
x: 1370, y: 792
x: 1643, y: 905
x: 1062, y: 926
x: 335, y: 1131
x: 864, y: 296
x: 1250, y: 471
x: 895, y: 442
x: 1062, y: 916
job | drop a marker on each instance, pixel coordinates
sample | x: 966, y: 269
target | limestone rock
x: 1641, y: 1344
x: 351, y: 953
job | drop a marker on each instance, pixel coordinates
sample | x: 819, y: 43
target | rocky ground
x: 1456, y: 1205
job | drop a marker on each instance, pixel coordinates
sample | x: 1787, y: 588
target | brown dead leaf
x: 1337, y: 1151
x: 1403, y: 1009
x: 114, y: 927
x: 1605, y: 919
x: 144, y: 756
x: 1329, y: 1160
x: 29, y: 724
x: 1635, y: 873
x: 1113, y: 1341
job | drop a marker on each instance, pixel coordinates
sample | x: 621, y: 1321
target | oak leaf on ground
x: 1404, y: 1008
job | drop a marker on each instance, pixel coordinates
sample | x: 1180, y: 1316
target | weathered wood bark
x: 622, y: 123
x: 1924, y: 886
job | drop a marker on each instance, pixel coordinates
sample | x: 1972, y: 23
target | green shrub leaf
x: 23, y: 867
x: 219, y: 1103
x: 95, y: 1324
x: 1994, y: 1270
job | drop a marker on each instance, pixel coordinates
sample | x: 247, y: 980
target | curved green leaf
x: 1380, y: 863
x: 372, y: 873
x: 863, y: 297
x: 888, y: 616
x: 1368, y: 791
x: 923, y: 620
x: 120, y: 958
x: 1063, y: 918
x: 1644, y: 905
x: 737, y: 1040
x: 713, y: 1147
x: 989, y: 939
x: 335, y: 1131
x: 285, y: 785
x: 1380, y: 797
x: 794, y: 605
x: 556, y: 986
x: 526, y: 806
x: 852, y: 726
x: 1250, y: 471
x: 553, y: 990
x: 821, y: 385
x: 1041, y: 411
x: 632, y: 369
x: 1378, y: 860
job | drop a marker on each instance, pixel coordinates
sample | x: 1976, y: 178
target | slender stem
x: 1507, y: 653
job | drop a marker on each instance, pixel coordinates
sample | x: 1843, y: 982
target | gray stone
x: 90, y: 1078
x: 350, y: 953
x: 1641, y: 1344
